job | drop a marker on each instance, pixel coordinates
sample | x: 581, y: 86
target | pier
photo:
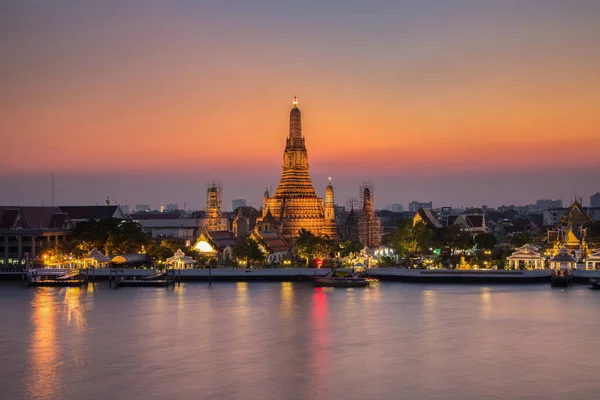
x: 119, y: 278
x: 54, y: 277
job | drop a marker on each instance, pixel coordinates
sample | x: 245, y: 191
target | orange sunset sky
x: 458, y: 102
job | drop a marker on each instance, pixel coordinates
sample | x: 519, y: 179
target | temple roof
x: 273, y: 241
x: 563, y: 255
x: 33, y: 217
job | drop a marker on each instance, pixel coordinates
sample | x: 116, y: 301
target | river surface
x: 293, y: 341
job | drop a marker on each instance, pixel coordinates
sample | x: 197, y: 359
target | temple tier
x: 295, y: 202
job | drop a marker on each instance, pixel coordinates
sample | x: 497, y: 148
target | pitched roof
x: 563, y: 255
x: 273, y: 241
x: 428, y: 218
x: 33, y: 217
x: 576, y: 214
x: 8, y: 218
x: 157, y: 215
x: 91, y: 212
x: 222, y: 239
x: 476, y: 221
x: 452, y: 219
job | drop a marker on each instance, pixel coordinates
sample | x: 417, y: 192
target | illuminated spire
x: 295, y: 123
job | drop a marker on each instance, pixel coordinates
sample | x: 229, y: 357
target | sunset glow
x: 408, y: 90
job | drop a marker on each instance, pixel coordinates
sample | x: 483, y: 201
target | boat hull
x: 340, y: 282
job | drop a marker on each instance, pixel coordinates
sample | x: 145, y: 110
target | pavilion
x: 96, y: 259
x: 563, y: 260
x: 593, y: 261
x: 526, y: 257
x: 180, y: 260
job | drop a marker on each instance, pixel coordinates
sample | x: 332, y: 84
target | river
x: 292, y: 341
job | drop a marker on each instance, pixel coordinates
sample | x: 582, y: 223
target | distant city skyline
x: 459, y: 103
x: 188, y: 189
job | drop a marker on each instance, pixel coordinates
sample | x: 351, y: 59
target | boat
x: 561, y: 278
x: 595, y: 284
x: 333, y: 279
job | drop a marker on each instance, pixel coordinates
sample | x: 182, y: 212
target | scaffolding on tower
x: 214, y: 220
x: 369, y: 224
x: 352, y: 204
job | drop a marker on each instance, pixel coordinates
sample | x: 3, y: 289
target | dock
x: 59, y: 277
x: 117, y: 278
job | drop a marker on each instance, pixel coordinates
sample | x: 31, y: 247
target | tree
x: 309, y: 246
x: 520, y: 239
x: 410, y: 239
x: 453, y: 238
x: 485, y: 241
x: 158, y: 252
x: 111, y: 236
x: 249, y: 251
x: 350, y: 247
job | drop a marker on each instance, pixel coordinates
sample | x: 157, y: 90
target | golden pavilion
x: 295, y: 203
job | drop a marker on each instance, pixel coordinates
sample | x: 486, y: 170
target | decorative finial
x: 295, y: 102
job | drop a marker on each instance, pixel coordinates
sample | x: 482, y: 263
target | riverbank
x: 306, y: 274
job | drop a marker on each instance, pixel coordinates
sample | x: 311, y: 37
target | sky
x: 461, y: 103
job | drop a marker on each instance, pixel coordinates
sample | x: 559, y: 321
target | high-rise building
x: 414, y: 206
x: 169, y: 207
x: 545, y: 204
x: 396, y: 207
x: 143, y: 208
x: 237, y: 203
x: 295, y: 202
x: 595, y: 200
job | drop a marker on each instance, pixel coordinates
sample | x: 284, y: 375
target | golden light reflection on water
x: 43, y: 380
x: 287, y: 300
x: 242, y: 308
x: 75, y: 311
x: 372, y: 292
x: 485, y: 300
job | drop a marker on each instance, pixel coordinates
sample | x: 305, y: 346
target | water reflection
x: 241, y: 298
x: 321, y: 339
x: 287, y: 300
x: 74, y: 308
x: 43, y: 380
x: 485, y: 300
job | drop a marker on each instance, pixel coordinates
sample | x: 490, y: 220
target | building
x: 414, y: 206
x: 544, y: 204
x: 241, y: 225
x: 216, y: 244
x: 143, y: 208
x: 570, y: 232
x: 526, y: 257
x: 595, y: 200
x: 214, y: 219
x: 473, y: 223
x: 295, y: 202
x: 395, y: 207
x: 237, y: 203
x: 25, y: 230
x: 159, y: 228
x: 369, y: 225
x: 428, y: 218
x: 170, y: 207
x: 97, y: 213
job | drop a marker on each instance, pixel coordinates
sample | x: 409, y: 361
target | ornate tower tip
x: 295, y: 101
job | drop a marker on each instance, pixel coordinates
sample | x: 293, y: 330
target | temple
x: 295, y: 204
